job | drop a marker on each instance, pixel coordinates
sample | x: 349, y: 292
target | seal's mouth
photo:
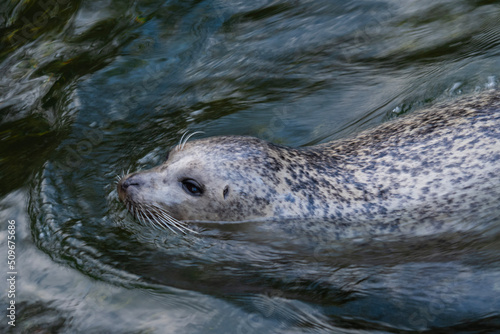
x: 150, y: 214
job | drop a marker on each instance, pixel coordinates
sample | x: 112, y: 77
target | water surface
x: 90, y: 89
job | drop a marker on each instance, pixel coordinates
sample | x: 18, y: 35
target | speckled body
x: 430, y: 167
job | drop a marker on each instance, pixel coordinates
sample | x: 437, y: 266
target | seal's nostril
x: 131, y: 181
x: 130, y: 185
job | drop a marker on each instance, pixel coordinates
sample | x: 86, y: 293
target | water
x: 89, y: 89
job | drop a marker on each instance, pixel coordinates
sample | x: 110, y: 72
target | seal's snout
x: 129, y: 183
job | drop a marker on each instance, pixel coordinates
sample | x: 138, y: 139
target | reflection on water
x: 90, y: 89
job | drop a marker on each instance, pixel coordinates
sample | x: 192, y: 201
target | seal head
x: 213, y: 179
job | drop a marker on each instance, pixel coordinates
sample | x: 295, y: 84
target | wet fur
x: 430, y: 167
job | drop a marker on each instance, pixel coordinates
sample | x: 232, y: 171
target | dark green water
x: 89, y: 89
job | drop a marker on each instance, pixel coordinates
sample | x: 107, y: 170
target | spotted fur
x: 430, y: 167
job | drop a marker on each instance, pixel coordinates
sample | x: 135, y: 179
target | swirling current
x: 91, y: 89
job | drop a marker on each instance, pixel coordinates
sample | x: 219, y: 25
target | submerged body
x: 428, y: 167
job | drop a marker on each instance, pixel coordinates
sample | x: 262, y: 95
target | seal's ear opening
x: 225, y: 191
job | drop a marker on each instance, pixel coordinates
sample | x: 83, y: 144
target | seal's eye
x: 168, y: 153
x: 192, y: 187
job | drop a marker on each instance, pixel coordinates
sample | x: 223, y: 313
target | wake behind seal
x: 423, y: 170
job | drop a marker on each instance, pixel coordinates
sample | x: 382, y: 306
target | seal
x: 429, y: 167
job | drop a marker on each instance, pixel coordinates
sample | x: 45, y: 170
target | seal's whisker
x: 164, y: 215
x: 173, y: 222
x: 187, y: 138
x: 156, y: 217
x: 144, y: 213
x: 140, y: 217
x: 139, y: 214
x: 178, y: 147
x: 148, y: 222
x: 163, y: 224
x: 153, y: 221
x: 158, y: 223
x: 180, y: 225
x: 134, y: 210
